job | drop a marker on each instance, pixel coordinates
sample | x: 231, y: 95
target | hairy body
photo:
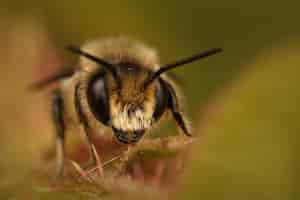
x: 130, y: 109
x: 118, y: 85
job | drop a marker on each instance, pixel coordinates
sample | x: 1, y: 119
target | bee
x: 118, y: 84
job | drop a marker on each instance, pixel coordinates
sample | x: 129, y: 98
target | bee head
x: 128, y: 96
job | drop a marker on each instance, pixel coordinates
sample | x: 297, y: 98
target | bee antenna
x: 108, y: 66
x: 181, y: 62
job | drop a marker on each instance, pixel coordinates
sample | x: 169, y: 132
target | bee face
x: 127, y: 91
x: 129, y: 108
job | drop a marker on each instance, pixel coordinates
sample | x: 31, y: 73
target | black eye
x: 98, y: 98
x: 161, y: 100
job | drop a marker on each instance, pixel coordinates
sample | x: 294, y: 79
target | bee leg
x: 58, y: 119
x: 180, y: 122
x: 93, y: 159
x: 173, y: 105
x: 85, y: 124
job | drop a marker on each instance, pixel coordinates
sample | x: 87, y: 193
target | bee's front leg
x: 58, y: 119
x: 173, y: 105
x: 83, y: 120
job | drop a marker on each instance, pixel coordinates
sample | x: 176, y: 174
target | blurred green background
x: 243, y: 103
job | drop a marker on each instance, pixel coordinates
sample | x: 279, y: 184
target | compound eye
x: 98, y: 98
x: 161, y: 100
